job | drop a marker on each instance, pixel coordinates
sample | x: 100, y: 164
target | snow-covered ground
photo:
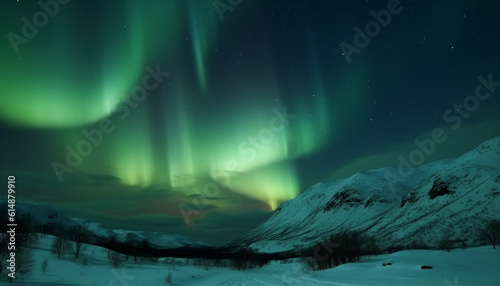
x: 473, y: 266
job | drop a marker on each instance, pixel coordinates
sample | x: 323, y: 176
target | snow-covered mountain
x: 450, y: 197
x: 50, y: 220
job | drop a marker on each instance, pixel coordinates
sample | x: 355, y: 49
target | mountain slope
x: 449, y: 197
x: 49, y: 220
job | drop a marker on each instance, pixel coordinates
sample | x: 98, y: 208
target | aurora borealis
x: 241, y: 112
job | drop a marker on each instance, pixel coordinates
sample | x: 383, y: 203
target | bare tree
x: 132, y: 239
x: 26, y: 230
x: 59, y: 246
x: 24, y: 261
x: 79, y: 235
x: 491, y: 232
x: 116, y: 259
x: 111, y: 242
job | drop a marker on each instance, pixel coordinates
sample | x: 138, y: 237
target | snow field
x: 473, y: 266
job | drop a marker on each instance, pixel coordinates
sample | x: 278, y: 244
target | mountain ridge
x: 445, y: 197
x: 52, y: 221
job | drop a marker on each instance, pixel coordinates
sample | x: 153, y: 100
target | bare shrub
x: 45, y: 266
x: 490, y: 232
x: 116, y: 259
x: 169, y: 278
x: 60, y: 246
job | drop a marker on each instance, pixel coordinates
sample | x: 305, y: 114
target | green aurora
x: 255, y: 107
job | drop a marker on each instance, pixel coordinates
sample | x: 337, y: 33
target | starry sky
x: 201, y: 117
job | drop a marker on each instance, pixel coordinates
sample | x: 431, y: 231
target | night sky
x: 201, y: 117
